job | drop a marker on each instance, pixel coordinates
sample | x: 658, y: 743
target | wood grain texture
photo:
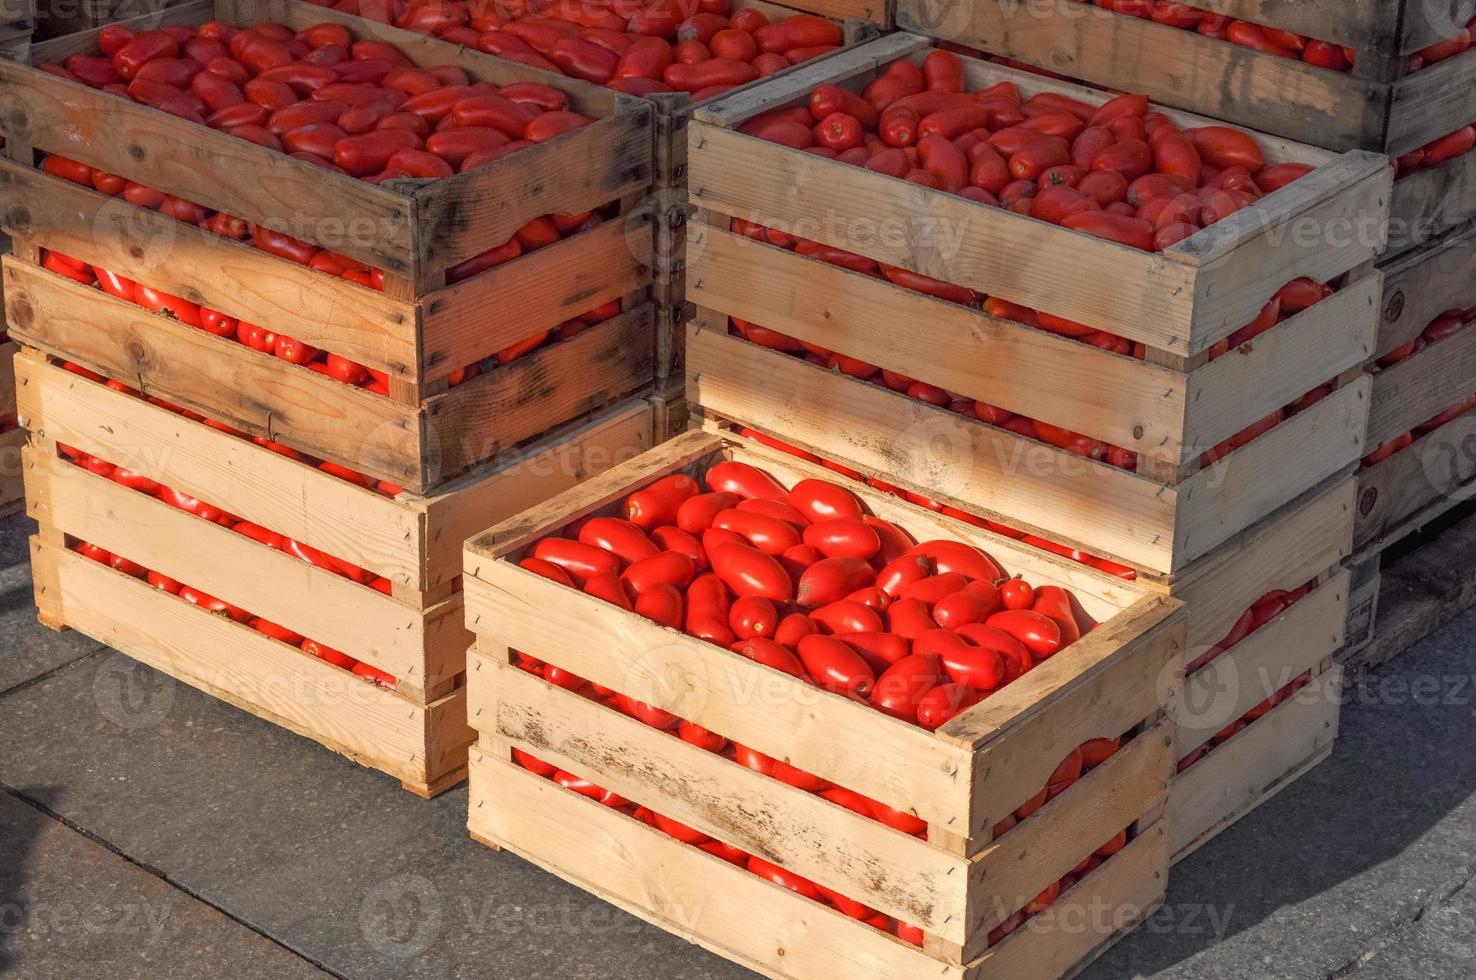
x: 1417, y: 389
x: 1431, y: 103
x: 1431, y: 202
x: 1416, y: 485
x: 1422, y: 284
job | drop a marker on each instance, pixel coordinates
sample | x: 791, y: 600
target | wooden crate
x: 416, y: 732
x: 961, y: 780
x: 1168, y: 409
x: 1376, y: 107
x: 1420, y: 482
x: 418, y: 330
x: 882, y: 13
x: 55, y: 20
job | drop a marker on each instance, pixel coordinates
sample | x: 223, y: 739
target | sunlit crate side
x: 769, y: 929
x: 1375, y: 107
x: 1166, y: 409
x: 422, y: 745
x: 1154, y: 525
x: 1180, y: 301
x: 958, y: 779
x: 415, y: 541
x: 1254, y: 765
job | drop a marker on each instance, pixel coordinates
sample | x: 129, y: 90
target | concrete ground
x: 149, y: 831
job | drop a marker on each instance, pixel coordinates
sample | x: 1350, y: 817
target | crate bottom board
x: 1404, y: 594
x: 1254, y: 766
x: 766, y: 928
x: 424, y: 747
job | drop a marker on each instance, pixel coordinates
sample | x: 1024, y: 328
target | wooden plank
x: 876, y: 11
x: 1254, y: 480
x: 1254, y: 765
x: 855, y: 855
x: 1224, y: 690
x: 211, y: 168
x: 715, y: 688
x: 1046, y: 846
x: 1421, y: 285
x: 467, y: 507
x: 919, y: 445
x: 1129, y: 887
x: 477, y: 317
x: 1285, y: 551
x: 1099, y: 687
x: 253, y: 483
x: 1253, y: 380
x: 1427, y: 104
x: 1329, y: 222
x: 220, y: 378
x: 1421, y: 387
x: 588, y: 168
x: 268, y: 583
x: 1351, y: 23
x: 1416, y: 484
x: 8, y: 350
x: 941, y: 235
x: 1084, y: 388
x: 512, y: 403
x: 1169, y: 65
x: 325, y: 311
x: 1430, y: 202
x: 218, y: 656
x: 694, y: 895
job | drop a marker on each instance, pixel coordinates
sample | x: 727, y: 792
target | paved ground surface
x: 148, y: 831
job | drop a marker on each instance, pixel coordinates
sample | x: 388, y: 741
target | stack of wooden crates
x: 227, y: 426
x: 1275, y: 515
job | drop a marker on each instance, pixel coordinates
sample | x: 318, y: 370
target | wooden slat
x: 809, y: 728
x: 918, y: 444
x: 1169, y: 65
x: 941, y: 235
x: 519, y: 400
x: 1351, y: 23
x: 244, y: 282
x: 588, y: 168
x: 1099, y: 687
x: 213, y: 169
x: 1048, y: 844
x: 1253, y: 380
x: 1421, y: 387
x: 1416, y: 483
x: 1421, y: 285
x: 1254, y: 765
x: 237, y: 663
x: 1276, y: 467
x: 876, y: 11
x: 478, y: 317
x: 1083, y: 388
x: 220, y: 378
x: 253, y: 483
x: 1263, y: 663
x: 855, y: 855
x: 1285, y: 551
x: 1063, y: 937
x: 698, y: 897
x: 8, y: 350
x: 1431, y: 103
x: 272, y: 584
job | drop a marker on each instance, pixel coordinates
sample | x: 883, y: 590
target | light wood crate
x: 416, y: 732
x: 961, y: 780
x: 418, y: 330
